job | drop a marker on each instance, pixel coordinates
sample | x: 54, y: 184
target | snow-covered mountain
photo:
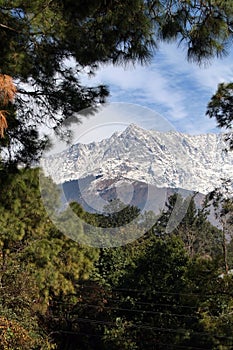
x: 170, y: 160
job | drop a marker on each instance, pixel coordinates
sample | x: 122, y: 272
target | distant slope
x: 166, y: 160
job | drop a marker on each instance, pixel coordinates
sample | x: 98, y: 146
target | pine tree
x: 47, y: 44
x: 220, y: 108
x: 29, y: 237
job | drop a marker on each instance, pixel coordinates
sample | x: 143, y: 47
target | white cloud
x: 147, y: 84
x: 206, y: 76
x: 170, y: 85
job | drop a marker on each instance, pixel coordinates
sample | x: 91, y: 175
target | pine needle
x: 7, y: 94
x: 7, y: 89
x: 3, y: 123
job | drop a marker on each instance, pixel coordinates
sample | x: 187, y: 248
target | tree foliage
x: 220, y: 108
x: 151, y: 292
x: 47, y: 46
x: 198, y: 234
x: 28, y: 235
x: 8, y: 91
x: 20, y: 326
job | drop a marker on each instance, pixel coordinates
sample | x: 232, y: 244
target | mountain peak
x: 133, y: 127
x: 170, y: 159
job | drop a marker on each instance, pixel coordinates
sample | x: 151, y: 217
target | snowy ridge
x: 170, y: 159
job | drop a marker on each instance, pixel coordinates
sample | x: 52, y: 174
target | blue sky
x: 176, y: 89
x: 168, y: 94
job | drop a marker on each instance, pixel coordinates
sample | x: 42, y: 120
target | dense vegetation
x: 161, y: 291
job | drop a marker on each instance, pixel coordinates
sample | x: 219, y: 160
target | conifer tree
x: 220, y: 108
x: 29, y: 237
x: 46, y: 45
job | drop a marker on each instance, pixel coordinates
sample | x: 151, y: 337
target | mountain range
x: 125, y: 164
